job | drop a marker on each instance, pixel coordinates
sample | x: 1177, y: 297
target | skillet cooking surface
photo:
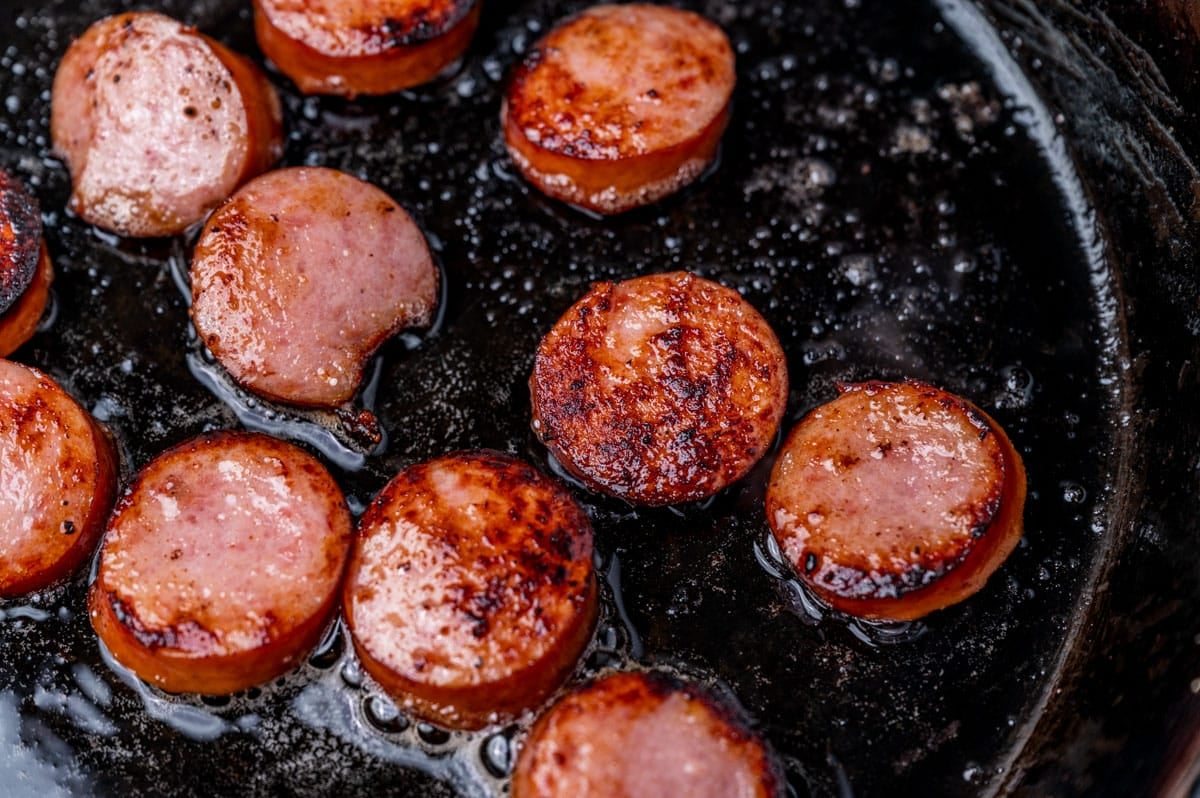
x: 878, y: 199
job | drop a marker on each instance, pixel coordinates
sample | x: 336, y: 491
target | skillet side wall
x: 1125, y: 719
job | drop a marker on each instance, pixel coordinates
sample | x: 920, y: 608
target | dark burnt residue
x: 422, y: 24
x: 20, y: 239
x: 187, y: 636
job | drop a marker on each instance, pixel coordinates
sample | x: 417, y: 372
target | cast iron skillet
x: 1004, y: 208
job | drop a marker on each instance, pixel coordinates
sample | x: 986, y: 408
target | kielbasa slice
x: 301, y: 276
x: 659, y: 390
x: 471, y: 592
x: 158, y: 123
x: 25, y: 268
x: 644, y: 734
x: 371, y: 47
x: 896, y: 499
x: 220, y: 566
x: 58, y: 480
x: 620, y: 105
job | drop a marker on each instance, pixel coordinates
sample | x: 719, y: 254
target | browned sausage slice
x: 159, y: 123
x: 301, y: 276
x: 659, y: 390
x: 896, y: 499
x: 471, y: 593
x: 25, y: 269
x: 643, y: 734
x: 365, y: 47
x: 620, y: 105
x: 221, y: 564
x: 58, y: 480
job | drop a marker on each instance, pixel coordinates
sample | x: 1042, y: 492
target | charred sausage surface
x: 659, y: 390
x: 221, y: 564
x: 620, y: 105
x: 301, y: 276
x: 58, y: 480
x: 372, y: 47
x: 896, y: 499
x: 471, y: 592
x: 643, y: 734
x: 25, y: 269
x: 158, y: 123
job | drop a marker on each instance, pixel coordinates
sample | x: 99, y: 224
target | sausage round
x: 471, y: 592
x: 221, y: 564
x: 373, y: 47
x: 643, y: 734
x: 620, y: 105
x: 25, y: 268
x: 896, y: 499
x: 659, y: 390
x: 158, y: 123
x: 301, y: 276
x: 58, y: 480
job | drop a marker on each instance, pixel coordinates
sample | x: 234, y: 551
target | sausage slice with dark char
x: 659, y: 390
x: 25, y: 269
x: 620, y: 105
x: 58, y: 480
x: 221, y: 564
x: 471, y: 592
x: 644, y: 734
x: 896, y: 499
x: 365, y: 47
x: 159, y: 123
x: 301, y: 276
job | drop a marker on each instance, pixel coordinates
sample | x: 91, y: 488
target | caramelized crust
x: 25, y: 269
x: 221, y: 564
x: 158, y: 123
x: 659, y: 390
x: 373, y: 47
x: 643, y: 734
x: 471, y: 593
x: 620, y: 105
x: 20, y: 240
x: 896, y: 499
x: 58, y: 480
x: 20, y: 321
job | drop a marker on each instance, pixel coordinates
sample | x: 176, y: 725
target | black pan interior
x: 886, y: 204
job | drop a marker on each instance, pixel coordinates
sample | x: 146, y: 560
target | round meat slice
x: 659, y: 390
x: 301, y: 276
x: 58, y: 480
x: 371, y: 47
x: 620, y: 105
x: 25, y: 269
x: 644, y: 734
x: 471, y: 592
x: 159, y: 124
x: 896, y: 499
x: 220, y: 566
